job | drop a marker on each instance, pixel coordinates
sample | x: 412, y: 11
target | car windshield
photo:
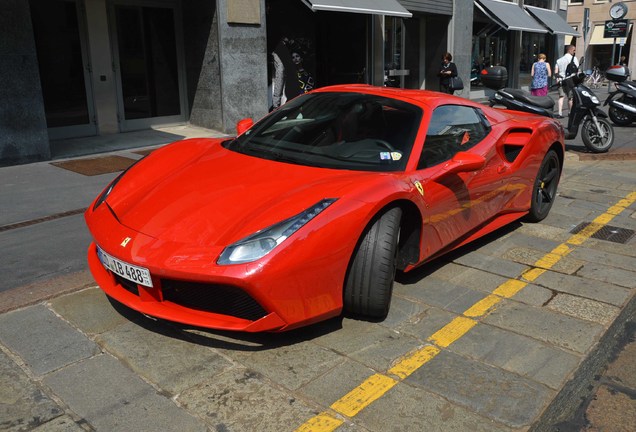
x: 351, y: 131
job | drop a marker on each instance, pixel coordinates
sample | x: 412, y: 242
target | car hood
x: 217, y: 196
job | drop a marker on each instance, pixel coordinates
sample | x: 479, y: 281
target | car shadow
x: 229, y: 340
x: 416, y: 275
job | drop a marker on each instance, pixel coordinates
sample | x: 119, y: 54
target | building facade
x: 77, y: 68
x: 591, y: 16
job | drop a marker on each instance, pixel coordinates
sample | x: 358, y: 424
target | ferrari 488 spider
x: 311, y: 210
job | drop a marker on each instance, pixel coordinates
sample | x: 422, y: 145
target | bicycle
x: 594, y: 78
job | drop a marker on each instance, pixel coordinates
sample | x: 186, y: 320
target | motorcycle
x: 596, y: 130
x: 622, y: 101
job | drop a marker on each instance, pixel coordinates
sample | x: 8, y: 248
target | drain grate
x: 608, y: 232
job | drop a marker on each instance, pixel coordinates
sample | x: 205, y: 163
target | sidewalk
x: 71, y: 360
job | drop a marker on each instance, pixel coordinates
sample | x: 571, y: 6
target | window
x: 575, y: 2
x: 452, y: 129
x: 545, y: 4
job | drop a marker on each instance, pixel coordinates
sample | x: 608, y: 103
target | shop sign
x: 615, y: 29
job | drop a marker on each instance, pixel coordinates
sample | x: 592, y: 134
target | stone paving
x: 80, y: 362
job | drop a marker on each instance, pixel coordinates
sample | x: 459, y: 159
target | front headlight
x: 264, y: 241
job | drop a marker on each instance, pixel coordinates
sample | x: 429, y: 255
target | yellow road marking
x: 321, y: 422
x: 410, y: 363
x: 452, y: 331
x: 363, y: 395
x: 377, y: 385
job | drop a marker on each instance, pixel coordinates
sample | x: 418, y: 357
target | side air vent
x: 514, y: 142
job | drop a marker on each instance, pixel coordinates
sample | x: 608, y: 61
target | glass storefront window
x: 490, y: 46
x: 532, y: 44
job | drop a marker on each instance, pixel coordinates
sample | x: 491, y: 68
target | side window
x: 453, y: 128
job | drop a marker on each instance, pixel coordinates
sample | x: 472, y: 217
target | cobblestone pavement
x: 507, y: 334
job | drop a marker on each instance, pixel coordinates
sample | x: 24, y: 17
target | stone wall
x: 226, y: 65
x: 23, y: 133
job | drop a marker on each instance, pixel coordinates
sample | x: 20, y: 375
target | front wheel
x: 545, y: 187
x: 597, y: 140
x: 620, y: 117
x: 369, y: 283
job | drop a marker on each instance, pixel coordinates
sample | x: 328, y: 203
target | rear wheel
x: 620, y: 117
x: 597, y: 141
x: 369, y: 284
x: 545, y: 187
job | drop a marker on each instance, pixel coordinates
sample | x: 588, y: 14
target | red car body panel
x: 177, y: 210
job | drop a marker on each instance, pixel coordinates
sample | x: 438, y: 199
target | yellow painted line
x: 377, y: 385
x: 452, y: 331
x: 321, y: 423
x: 362, y: 396
x: 482, y: 306
x: 533, y: 274
x: 410, y: 363
x: 505, y: 290
x: 509, y: 288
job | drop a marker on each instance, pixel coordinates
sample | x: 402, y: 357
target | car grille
x: 221, y: 299
x: 126, y: 284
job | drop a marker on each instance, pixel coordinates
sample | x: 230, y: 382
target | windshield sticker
x: 396, y: 156
x: 385, y: 156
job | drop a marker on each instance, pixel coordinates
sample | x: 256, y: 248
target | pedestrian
x: 540, y: 73
x: 447, y: 71
x: 563, y: 69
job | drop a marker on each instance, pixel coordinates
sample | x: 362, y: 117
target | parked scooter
x: 596, y: 130
x: 622, y: 101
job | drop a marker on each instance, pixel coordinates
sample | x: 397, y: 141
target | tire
x: 595, y: 142
x: 619, y: 117
x: 369, y: 282
x: 545, y: 187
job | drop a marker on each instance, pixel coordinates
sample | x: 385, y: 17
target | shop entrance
x: 401, y: 53
x: 149, y: 65
x: 60, y: 40
x: 309, y: 49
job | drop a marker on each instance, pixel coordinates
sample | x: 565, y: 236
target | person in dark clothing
x: 447, y: 70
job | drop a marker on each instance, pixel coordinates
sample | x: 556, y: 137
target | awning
x: 374, y: 7
x: 509, y: 16
x: 597, y: 36
x: 552, y: 21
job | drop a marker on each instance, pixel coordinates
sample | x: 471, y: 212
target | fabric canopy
x: 374, y: 7
x: 509, y: 16
x: 552, y: 21
x: 597, y: 36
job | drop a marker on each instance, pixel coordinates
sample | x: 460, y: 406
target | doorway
x: 148, y: 58
x: 61, y: 45
x: 401, y: 52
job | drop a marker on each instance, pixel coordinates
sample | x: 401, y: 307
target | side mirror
x: 463, y: 162
x: 243, y: 125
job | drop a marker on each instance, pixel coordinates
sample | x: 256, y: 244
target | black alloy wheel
x: 620, y: 117
x: 545, y: 187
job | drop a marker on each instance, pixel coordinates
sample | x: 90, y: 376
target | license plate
x: 133, y: 273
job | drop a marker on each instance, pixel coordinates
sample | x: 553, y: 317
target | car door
x: 458, y: 203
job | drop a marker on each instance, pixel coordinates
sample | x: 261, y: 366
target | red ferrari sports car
x: 311, y: 210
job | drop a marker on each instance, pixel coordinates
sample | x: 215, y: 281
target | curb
x: 576, y: 392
